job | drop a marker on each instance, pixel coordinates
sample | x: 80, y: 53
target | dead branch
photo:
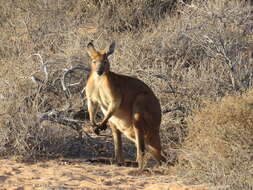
x: 69, y: 71
x: 62, y: 117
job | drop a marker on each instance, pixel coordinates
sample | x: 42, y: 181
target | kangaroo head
x: 100, y: 63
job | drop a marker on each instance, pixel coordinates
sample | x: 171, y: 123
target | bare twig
x: 168, y: 83
x: 61, y: 117
x: 63, y: 83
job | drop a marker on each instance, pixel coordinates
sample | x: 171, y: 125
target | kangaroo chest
x: 100, y: 97
x: 98, y: 93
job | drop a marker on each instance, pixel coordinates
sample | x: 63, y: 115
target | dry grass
x: 186, y: 51
x: 220, y: 142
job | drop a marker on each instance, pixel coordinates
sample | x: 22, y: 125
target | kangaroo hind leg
x: 118, y: 154
x: 139, y: 125
x: 154, y: 147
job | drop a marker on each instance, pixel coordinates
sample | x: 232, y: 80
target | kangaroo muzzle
x: 101, y: 70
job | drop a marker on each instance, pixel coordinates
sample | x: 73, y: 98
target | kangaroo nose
x: 100, y: 71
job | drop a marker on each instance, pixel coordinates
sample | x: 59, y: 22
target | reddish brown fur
x: 129, y: 106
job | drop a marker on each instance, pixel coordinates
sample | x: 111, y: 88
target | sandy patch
x: 78, y: 174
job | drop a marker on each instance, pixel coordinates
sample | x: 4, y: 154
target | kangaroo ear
x: 91, y: 49
x: 111, y: 48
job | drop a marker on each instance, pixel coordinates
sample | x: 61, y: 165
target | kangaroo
x: 128, y: 104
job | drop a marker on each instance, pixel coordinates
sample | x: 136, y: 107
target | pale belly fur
x: 123, y: 125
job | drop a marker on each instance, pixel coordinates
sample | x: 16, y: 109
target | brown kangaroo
x: 128, y: 104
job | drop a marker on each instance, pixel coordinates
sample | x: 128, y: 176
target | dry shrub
x: 219, y: 147
x: 21, y: 103
x: 127, y: 15
x: 198, y: 52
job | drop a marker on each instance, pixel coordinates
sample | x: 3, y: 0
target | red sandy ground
x: 68, y: 175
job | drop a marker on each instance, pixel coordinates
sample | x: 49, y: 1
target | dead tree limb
x: 69, y: 71
x: 62, y: 117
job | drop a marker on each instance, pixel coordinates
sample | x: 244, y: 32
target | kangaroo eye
x: 93, y: 61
